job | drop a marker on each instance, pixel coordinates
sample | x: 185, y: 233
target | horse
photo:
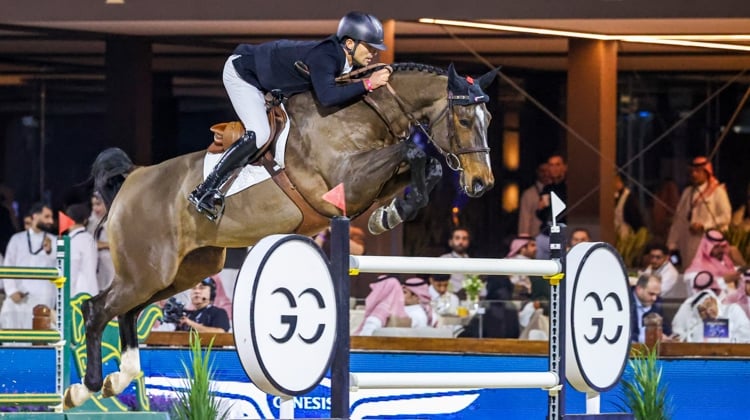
x: 161, y: 245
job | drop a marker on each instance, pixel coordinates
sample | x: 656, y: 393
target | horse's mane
x: 396, y: 67
x: 418, y: 67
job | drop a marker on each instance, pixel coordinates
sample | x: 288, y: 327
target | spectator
x: 528, y: 221
x: 703, y: 206
x: 417, y: 303
x: 105, y: 270
x: 391, y: 304
x: 645, y: 300
x: 205, y: 318
x: 523, y: 248
x: 459, y: 243
x: 31, y: 248
x: 443, y: 301
x: 628, y: 217
x: 577, y: 236
x: 741, y: 296
x: 659, y: 264
x: 706, y: 306
x: 713, y: 256
x: 557, y: 170
x: 83, y: 258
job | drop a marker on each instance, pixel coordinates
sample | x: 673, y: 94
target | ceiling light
x: 644, y: 39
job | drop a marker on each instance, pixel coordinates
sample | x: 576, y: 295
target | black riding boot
x: 207, y: 197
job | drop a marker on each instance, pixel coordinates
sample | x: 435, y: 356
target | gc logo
x: 285, y: 315
x: 598, y: 322
x: 291, y: 320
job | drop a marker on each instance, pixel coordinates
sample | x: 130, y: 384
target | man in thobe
x: 31, y: 248
x: 703, y: 206
x: 83, y: 258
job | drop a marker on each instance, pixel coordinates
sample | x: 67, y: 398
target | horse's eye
x: 464, y: 122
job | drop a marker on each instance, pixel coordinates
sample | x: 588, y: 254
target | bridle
x: 454, y: 149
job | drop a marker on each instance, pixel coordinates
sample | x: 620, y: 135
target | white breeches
x: 248, y: 102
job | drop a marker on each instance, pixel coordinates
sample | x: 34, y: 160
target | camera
x: 173, y: 311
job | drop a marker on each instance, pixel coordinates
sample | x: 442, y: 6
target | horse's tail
x: 109, y: 171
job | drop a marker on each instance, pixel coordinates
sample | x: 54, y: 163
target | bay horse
x: 161, y: 245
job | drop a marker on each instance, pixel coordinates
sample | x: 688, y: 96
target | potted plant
x: 643, y: 393
x: 199, y: 400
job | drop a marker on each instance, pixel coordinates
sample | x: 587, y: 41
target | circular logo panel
x: 598, y: 317
x: 284, y: 315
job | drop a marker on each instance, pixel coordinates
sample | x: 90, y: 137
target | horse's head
x: 464, y: 144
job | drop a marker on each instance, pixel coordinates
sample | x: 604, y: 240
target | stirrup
x: 212, y: 211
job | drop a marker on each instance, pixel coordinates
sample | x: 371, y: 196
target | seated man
x: 443, y: 301
x: 645, y: 300
x: 659, y: 264
x: 741, y: 296
x: 523, y: 248
x: 705, y: 306
x: 713, y: 256
x: 391, y: 304
x: 205, y: 317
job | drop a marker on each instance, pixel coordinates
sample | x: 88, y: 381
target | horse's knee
x: 414, y: 153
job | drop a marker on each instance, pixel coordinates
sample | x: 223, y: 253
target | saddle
x: 226, y: 133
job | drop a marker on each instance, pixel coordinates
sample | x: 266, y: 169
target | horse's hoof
x: 108, y: 387
x: 114, y: 384
x: 75, y: 396
x: 375, y: 224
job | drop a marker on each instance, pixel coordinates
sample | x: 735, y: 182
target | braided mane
x: 418, y: 67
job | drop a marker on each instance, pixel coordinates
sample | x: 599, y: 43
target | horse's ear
x: 487, y: 78
x: 452, y: 75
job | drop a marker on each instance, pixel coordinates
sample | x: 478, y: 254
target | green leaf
x: 198, y: 401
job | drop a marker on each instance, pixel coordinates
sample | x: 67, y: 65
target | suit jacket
x: 270, y: 66
x: 656, y: 308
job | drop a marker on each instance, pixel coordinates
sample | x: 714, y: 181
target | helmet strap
x: 350, y: 51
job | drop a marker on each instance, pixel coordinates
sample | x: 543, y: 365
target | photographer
x: 205, y: 317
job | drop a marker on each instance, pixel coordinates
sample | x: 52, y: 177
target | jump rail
x: 433, y: 265
x: 443, y: 380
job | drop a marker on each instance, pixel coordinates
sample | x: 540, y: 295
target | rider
x: 253, y: 70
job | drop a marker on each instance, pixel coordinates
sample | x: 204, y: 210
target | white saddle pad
x: 250, y: 175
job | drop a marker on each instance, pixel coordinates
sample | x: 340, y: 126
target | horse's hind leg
x: 130, y: 361
x: 96, y: 316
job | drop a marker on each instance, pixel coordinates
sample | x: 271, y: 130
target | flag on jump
x: 65, y: 222
x: 337, y: 197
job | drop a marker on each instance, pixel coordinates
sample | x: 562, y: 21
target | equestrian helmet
x: 361, y: 27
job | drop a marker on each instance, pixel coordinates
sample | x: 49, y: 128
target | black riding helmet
x: 361, y: 27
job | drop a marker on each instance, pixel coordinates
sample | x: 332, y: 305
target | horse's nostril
x: 478, y: 185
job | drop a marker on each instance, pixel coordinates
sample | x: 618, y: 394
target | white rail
x: 379, y: 380
x: 416, y: 265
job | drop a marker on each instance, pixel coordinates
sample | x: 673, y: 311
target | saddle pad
x: 250, y: 174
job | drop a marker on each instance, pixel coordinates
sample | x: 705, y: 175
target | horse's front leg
x: 95, y: 318
x: 130, y: 362
x: 425, y: 174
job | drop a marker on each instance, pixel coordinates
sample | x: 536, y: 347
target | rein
x: 451, y: 155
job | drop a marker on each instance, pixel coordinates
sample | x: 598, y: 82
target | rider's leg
x: 249, y: 104
x: 207, y: 197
